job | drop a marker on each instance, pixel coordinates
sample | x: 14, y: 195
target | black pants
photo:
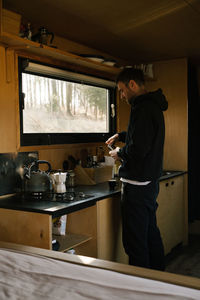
x: 140, y: 234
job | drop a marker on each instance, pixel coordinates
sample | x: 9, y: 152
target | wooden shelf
x: 70, y: 240
x: 14, y: 42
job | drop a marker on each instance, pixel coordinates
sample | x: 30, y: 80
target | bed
x: 34, y: 273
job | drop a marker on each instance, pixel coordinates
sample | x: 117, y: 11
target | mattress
x: 27, y: 276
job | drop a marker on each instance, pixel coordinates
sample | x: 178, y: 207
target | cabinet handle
x: 172, y: 182
x: 166, y: 184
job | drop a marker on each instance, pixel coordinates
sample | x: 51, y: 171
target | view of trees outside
x: 56, y: 106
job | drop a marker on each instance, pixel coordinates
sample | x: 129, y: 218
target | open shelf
x: 14, y: 42
x: 70, y: 240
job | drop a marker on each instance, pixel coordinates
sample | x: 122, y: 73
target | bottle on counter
x: 94, y: 161
x: 70, y: 182
x: 100, y: 154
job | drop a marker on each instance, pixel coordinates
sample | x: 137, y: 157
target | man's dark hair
x: 131, y: 74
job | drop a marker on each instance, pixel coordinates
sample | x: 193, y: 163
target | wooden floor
x: 185, y: 260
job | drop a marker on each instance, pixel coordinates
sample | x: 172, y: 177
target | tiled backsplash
x: 11, y: 170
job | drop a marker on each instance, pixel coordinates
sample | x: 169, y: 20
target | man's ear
x: 132, y: 84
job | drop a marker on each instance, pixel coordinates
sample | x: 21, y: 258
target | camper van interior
x: 58, y: 105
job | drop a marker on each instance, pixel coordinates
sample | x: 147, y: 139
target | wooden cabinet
x: 26, y: 228
x: 106, y: 228
x: 94, y: 231
x: 170, y: 212
x: 83, y: 223
x: 109, y: 231
x: 35, y: 229
x: 171, y: 220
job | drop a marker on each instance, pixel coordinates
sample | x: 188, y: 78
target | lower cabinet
x: 171, y: 219
x: 109, y: 231
x: 171, y: 212
x: 35, y: 229
x: 81, y: 230
x: 96, y: 231
x: 26, y: 228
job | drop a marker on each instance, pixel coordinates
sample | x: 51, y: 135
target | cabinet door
x: 84, y: 222
x: 26, y: 228
x: 109, y: 231
x: 170, y: 212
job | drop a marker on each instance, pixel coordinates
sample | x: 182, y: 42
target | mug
x: 112, y: 184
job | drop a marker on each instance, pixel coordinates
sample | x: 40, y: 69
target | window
x: 58, y: 106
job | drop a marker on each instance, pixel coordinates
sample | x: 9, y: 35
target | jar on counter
x: 70, y: 182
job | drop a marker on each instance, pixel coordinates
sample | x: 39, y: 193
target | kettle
x: 37, y: 181
x: 59, y: 180
x: 42, y: 36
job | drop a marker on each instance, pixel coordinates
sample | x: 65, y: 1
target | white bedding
x: 24, y: 276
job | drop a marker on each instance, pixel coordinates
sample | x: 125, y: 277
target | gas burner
x: 67, y: 196
x: 71, y: 196
x: 81, y: 195
x: 37, y: 195
x: 53, y: 197
x: 28, y: 196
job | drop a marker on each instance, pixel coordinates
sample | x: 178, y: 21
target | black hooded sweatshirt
x: 142, y: 155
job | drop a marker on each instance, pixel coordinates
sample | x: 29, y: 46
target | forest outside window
x: 58, y: 106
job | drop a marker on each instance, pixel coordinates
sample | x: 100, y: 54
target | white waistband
x: 134, y: 181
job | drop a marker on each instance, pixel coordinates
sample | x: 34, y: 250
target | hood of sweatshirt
x: 157, y: 96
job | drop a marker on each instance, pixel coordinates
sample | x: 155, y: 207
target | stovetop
x: 56, y: 206
x: 68, y: 196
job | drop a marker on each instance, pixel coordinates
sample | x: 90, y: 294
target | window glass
x: 57, y: 106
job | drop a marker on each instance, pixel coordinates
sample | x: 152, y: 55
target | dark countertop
x: 55, y: 208
x: 167, y: 174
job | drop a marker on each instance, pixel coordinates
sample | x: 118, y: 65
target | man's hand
x: 114, y: 155
x: 112, y: 139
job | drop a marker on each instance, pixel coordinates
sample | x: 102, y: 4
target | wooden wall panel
x: 7, y: 102
x: 171, y: 76
x: 1, y: 16
x: 58, y: 155
x: 123, y: 112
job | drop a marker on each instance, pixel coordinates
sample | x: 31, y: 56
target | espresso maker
x: 59, y: 182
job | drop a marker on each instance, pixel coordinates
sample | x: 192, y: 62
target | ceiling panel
x: 137, y: 31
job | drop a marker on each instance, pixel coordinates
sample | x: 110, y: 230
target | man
x: 142, y: 158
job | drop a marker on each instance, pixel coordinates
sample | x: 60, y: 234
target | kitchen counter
x: 166, y: 174
x: 55, y: 208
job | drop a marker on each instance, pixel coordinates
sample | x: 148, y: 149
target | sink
x: 164, y: 172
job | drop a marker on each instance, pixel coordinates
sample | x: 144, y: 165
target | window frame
x: 38, y: 139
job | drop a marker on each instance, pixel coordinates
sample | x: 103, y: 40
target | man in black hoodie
x: 142, y: 158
